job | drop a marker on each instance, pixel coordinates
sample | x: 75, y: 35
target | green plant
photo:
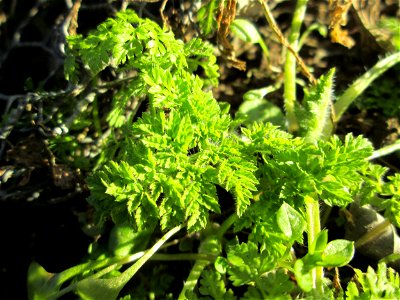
x: 382, y: 284
x: 382, y: 95
x: 290, y: 64
x: 170, y: 163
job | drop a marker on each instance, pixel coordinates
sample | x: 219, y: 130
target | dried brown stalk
x: 225, y: 16
x: 338, y: 10
x: 284, y: 42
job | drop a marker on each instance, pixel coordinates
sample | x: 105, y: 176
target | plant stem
x: 128, y: 274
x: 385, y: 150
x: 211, y: 243
x: 111, y: 263
x: 118, y: 282
x: 348, y: 97
x: 193, y: 277
x: 372, y: 234
x: 183, y: 256
x: 65, y: 275
x: 96, y: 119
x: 260, y: 284
x: 290, y: 65
x: 284, y: 42
x: 227, y: 224
x: 314, y: 228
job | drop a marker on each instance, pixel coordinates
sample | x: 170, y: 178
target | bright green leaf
x: 338, y: 253
x: 260, y: 110
x: 303, y: 275
x: 291, y: 222
x: 247, y: 32
x: 221, y: 264
x: 38, y: 282
x: 319, y: 243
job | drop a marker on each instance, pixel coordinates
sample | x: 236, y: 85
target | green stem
x: 136, y: 256
x: 211, y: 245
x: 226, y: 225
x: 308, y: 31
x: 66, y: 275
x: 118, y: 282
x: 183, y: 256
x: 314, y: 228
x: 165, y: 257
x: 372, y: 234
x: 107, y: 263
x: 290, y: 66
x: 348, y: 97
x: 193, y: 277
x: 386, y: 150
x: 128, y: 274
x: 156, y: 256
x: 259, y: 283
x: 96, y: 118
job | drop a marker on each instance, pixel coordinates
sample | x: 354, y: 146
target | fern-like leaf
x: 315, y: 115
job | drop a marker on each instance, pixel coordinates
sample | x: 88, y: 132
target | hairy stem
x: 284, y: 42
x: 290, y: 65
x: 227, y: 224
x: 314, y: 228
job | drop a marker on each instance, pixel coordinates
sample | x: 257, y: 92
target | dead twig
x: 73, y: 18
x: 285, y: 43
x: 225, y: 16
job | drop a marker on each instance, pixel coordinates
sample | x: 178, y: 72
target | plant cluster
x: 381, y: 96
x: 162, y: 171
